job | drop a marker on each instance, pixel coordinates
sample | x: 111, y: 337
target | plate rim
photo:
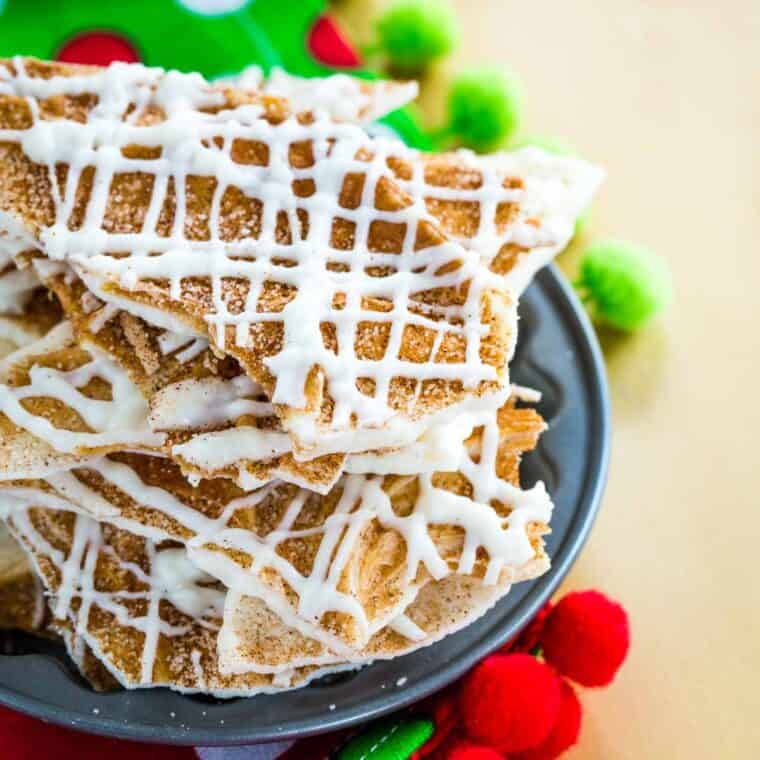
x: 571, y: 309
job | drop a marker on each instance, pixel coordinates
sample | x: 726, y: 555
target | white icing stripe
x: 407, y: 628
x: 103, y: 317
x: 16, y: 287
x: 206, y: 403
x: 181, y: 580
x: 197, y: 346
x: 170, y: 342
x: 122, y: 421
x: 212, y: 451
x: 438, y: 449
x: 341, y: 97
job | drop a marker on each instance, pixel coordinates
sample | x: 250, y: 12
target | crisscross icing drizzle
x: 79, y: 401
x: 83, y: 560
x: 516, y: 209
x: 117, y: 418
x: 148, y: 614
x: 313, y: 559
x: 337, y: 291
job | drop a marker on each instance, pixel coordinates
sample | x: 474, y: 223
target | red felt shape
x: 330, y: 46
x: 98, y: 49
x: 586, y: 637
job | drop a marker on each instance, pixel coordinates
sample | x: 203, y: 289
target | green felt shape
x: 413, y: 33
x: 625, y: 283
x: 390, y: 739
x: 484, y: 108
x: 170, y: 33
x: 181, y: 34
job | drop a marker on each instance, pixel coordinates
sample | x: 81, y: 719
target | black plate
x: 558, y: 354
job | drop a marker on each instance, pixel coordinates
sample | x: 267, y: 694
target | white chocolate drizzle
x: 340, y: 96
x: 505, y: 538
x: 186, y: 139
x: 121, y: 420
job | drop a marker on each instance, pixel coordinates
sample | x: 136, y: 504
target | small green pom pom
x: 626, y: 283
x: 484, y: 108
x: 394, y: 739
x: 413, y: 33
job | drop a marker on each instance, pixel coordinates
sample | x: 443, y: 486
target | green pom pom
x: 394, y: 739
x: 413, y: 33
x: 626, y: 283
x: 484, y: 108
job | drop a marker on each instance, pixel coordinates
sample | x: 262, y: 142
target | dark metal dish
x: 557, y: 354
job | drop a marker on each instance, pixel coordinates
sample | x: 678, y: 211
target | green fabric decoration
x: 390, y: 739
x: 187, y: 35
x: 170, y: 33
x: 484, y: 108
x: 626, y: 284
x: 413, y: 33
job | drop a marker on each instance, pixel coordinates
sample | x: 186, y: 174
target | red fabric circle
x: 586, y: 637
x: 330, y: 46
x: 98, y: 49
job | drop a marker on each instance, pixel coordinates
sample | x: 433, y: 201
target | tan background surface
x: 665, y: 95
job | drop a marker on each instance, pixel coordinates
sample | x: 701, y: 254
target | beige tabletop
x: 666, y: 96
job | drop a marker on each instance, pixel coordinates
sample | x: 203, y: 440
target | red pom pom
x: 467, y: 751
x: 510, y: 702
x: 586, y: 637
x: 565, y: 731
